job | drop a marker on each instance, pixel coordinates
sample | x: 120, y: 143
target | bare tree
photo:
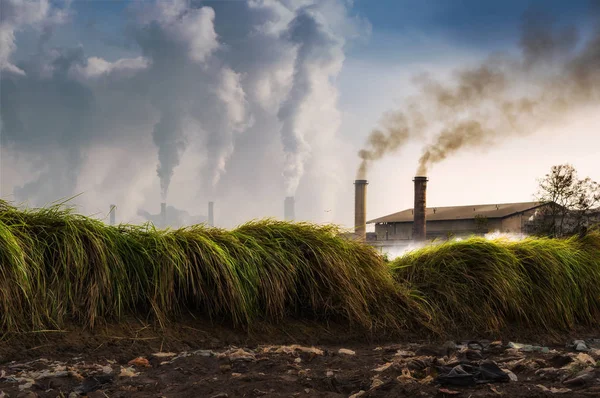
x: 571, y: 202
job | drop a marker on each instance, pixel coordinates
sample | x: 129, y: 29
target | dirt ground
x: 219, y: 363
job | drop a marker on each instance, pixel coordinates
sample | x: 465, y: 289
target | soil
x: 292, y: 360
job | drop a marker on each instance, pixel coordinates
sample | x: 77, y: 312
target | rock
x: 236, y: 375
x: 579, y: 345
x: 358, y: 394
x: 298, y: 360
x: 329, y: 373
x: 344, y: 351
x: 140, y: 362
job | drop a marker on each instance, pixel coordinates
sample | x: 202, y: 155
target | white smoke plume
x: 204, y: 97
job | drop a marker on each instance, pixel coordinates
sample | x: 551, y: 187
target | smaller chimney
x: 420, y: 222
x: 113, y: 209
x: 288, y: 209
x: 211, y: 216
x: 360, y: 209
x: 163, y: 215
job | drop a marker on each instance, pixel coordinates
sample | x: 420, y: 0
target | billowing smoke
x: 200, y: 95
x: 319, y: 57
x: 556, y: 72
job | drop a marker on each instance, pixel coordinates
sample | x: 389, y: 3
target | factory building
x: 442, y: 222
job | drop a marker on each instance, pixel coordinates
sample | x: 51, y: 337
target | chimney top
x: 421, y: 178
x: 360, y: 181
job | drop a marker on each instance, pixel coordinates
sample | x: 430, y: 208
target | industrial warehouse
x: 458, y: 220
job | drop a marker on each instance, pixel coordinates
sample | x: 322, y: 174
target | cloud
x: 16, y: 15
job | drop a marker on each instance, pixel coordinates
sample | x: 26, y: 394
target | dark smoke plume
x: 502, y: 97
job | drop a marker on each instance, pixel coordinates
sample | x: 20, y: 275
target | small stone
x: 329, y: 373
x: 345, y: 351
x: 581, y: 347
x: 307, y: 390
x: 298, y: 360
x: 236, y: 375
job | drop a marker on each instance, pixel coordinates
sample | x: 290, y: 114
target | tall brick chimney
x: 419, y: 230
x: 288, y: 209
x: 360, y: 209
x: 211, y: 214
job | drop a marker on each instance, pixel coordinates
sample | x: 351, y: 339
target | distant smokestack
x: 360, y: 209
x: 419, y: 231
x: 211, y: 215
x: 113, y: 210
x: 163, y: 215
x: 288, y: 209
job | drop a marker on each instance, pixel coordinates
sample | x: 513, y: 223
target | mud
x: 210, y: 365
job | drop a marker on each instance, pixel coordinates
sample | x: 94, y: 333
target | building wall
x: 441, y: 229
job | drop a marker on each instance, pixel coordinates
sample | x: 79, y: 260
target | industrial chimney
x: 360, y: 209
x: 163, y: 215
x: 419, y: 230
x: 112, y: 214
x: 211, y: 215
x: 288, y: 209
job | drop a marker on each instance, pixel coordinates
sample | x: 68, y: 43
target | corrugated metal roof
x: 460, y: 212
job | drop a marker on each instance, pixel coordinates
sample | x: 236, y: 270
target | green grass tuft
x: 57, y: 267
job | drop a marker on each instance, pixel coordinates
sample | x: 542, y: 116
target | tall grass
x: 487, y: 285
x: 57, y: 266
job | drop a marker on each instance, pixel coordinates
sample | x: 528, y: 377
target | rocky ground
x: 462, y: 369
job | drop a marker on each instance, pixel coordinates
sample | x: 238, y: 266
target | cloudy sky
x: 246, y: 102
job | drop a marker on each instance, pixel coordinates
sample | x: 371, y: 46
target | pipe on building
x: 419, y: 224
x: 163, y: 215
x: 211, y: 214
x: 288, y: 209
x: 360, y: 209
x: 113, y: 210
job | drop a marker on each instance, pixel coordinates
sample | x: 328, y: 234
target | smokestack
x: 163, y: 215
x: 360, y: 209
x: 211, y: 215
x: 112, y: 214
x: 288, y: 209
x: 419, y: 231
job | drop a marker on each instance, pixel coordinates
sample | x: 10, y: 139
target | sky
x: 246, y: 102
